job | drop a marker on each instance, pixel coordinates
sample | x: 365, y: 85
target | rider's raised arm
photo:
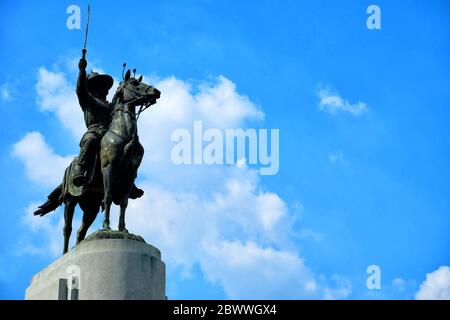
x: 82, y: 89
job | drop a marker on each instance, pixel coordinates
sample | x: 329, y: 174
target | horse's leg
x: 123, y: 208
x: 89, y: 215
x: 107, y: 153
x: 107, y: 186
x: 69, y: 209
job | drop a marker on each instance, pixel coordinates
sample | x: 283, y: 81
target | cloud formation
x: 332, y: 103
x: 436, y: 285
x: 6, y: 92
x: 336, y: 157
x: 55, y: 94
x: 247, y: 270
x: 42, y: 165
x: 48, y: 231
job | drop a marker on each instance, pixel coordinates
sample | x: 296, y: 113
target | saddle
x: 94, y: 181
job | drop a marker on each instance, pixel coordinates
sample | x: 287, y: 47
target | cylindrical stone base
x: 102, y: 269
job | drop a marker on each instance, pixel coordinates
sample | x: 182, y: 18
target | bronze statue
x: 110, y: 152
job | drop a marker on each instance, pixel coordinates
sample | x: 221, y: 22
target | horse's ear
x: 140, y: 78
x: 127, y: 75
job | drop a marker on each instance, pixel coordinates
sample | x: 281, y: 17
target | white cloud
x: 332, y: 103
x: 306, y: 233
x: 340, y: 290
x: 436, y: 285
x: 217, y: 105
x: 399, y: 283
x: 219, y: 217
x: 221, y: 102
x: 247, y: 270
x: 336, y: 157
x: 180, y: 222
x: 47, y: 230
x: 5, y: 92
x: 42, y: 165
x: 56, y: 94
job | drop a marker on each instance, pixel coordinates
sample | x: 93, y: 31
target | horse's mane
x: 117, y: 95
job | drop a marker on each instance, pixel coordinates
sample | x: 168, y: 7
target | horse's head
x: 135, y: 92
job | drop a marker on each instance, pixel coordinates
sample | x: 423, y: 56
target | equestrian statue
x: 110, y: 152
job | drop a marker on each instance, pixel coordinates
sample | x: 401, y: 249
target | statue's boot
x: 136, y: 192
x: 78, y: 175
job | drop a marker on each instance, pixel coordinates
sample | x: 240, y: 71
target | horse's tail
x: 54, y: 200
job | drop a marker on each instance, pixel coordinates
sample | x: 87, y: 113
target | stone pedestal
x: 107, y: 265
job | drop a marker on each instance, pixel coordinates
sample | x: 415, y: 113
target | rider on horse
x: 91, y: 91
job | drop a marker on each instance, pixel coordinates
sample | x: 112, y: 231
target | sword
x: 83, y: 51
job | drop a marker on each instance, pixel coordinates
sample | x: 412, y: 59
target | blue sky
x: 354, y: 189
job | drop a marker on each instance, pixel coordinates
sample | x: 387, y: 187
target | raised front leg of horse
x: 69, y: 209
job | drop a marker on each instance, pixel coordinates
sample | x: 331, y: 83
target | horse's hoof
x: 107, y: 228
x: 106, y: 224
x: 123, y: 229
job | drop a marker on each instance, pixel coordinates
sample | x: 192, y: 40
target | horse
x: 121, y: 152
